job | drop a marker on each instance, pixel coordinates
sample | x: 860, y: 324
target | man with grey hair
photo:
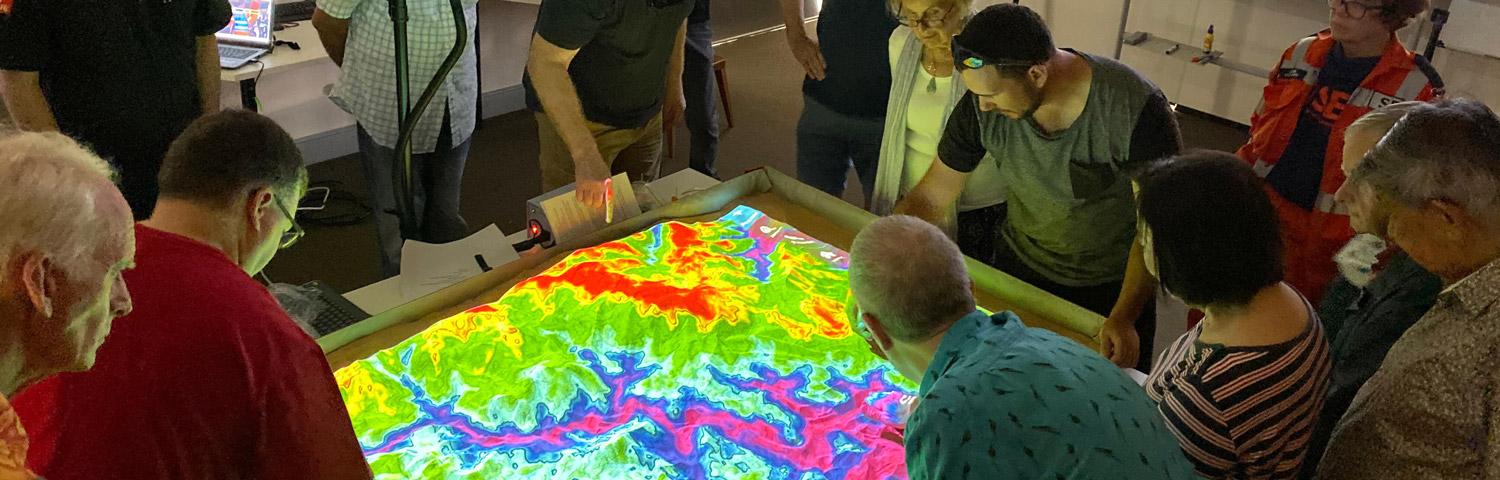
x: 65, y: 238
x: 1428, y: 412
x: 1379, y: 294
x: 1010, y: 401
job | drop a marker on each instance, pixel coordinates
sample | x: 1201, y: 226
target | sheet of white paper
x: 427, y: 268
x: 1137, y: 375
x: 678, y: 185
x: 571, y: 219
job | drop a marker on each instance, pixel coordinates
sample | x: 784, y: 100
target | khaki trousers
x: 635, y: 152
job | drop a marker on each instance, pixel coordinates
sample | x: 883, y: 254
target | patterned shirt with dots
x: 1002, y: 400
x: 1431, y: 411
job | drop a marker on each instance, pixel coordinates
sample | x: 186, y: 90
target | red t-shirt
x: 206, y: 379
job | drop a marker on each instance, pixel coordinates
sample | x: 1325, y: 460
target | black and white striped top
x: 1243, y: 412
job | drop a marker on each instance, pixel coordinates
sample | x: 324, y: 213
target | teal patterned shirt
x: 1003, y: 401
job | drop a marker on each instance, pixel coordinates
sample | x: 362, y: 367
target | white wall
x: 506, y: 35
x: 1254, y: 32
x: 295, y: 99
x: 1086, y: 25
x: 1470, y: 76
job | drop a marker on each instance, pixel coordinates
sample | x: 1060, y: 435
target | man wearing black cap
x: 1065, y: 127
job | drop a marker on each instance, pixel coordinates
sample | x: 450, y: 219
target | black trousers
x: 979, y: 230
x: 1099, y: 299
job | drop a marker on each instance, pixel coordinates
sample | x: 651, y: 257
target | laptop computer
x: 248, y: 34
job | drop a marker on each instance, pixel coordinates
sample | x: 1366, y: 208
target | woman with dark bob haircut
x: 1243, y: 388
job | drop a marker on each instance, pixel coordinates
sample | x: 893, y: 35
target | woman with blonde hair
x: 924, y: 90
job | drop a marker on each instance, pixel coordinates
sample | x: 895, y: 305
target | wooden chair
x: 722, y: 79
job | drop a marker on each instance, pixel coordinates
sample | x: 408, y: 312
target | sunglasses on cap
x: 964, y: 58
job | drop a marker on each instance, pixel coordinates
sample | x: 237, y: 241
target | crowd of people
x: 1344, y: 264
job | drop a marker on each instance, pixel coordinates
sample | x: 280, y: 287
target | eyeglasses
x: 859, y: 325
x: 289, y: 237
x: 856, y: 316
x: 964, y: 58
x: 1354, y: 10
x: 930, y: 21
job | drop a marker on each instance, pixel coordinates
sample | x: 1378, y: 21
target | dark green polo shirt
x: 120, y: 75
x: 624, y: 48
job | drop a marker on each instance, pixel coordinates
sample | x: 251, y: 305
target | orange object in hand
x: 609, y: 200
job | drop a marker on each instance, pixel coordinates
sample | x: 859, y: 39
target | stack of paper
x: 427, y: 268
x: 570, y: 218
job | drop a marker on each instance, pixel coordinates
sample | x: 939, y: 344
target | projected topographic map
x: 715, y: 350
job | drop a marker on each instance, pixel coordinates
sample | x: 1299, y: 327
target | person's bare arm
x: 548, y: 65
x: 1156, y: 136
x: 803, y: 48
x: 208, y: 74
x: 935, y: 196
x: 676, y: 101
x: 333, y: 33
x: 23, y: 98
x: 1118, y: 340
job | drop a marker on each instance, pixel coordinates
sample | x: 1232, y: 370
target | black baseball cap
x: 1006, y: 34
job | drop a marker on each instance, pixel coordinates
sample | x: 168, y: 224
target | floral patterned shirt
x: 12, y: 445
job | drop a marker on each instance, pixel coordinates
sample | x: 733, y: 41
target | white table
x: 281, y: 59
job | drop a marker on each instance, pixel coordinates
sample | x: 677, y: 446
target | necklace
x: 932, y: 79
x: 930, y: 64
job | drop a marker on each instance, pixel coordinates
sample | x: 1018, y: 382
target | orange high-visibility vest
x: 1400, y: 75
x: 1312, y: 238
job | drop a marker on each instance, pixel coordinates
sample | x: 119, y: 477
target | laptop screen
x: 250, y: 22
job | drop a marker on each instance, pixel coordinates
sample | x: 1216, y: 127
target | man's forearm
x: 1138, y: 288
x: 674, y: 67
x: 554, y: 88
x: 333, y: 33
x: 333, y: 43
x: 791, y: 16
x: 208, y: 74
x: 935, y: 198
x: 920, y: 206
x: 23, y: 98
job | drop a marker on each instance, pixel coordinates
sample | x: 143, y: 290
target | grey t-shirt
x: 1071, y: 212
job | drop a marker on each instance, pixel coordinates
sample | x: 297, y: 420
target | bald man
x: 997, y: 399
